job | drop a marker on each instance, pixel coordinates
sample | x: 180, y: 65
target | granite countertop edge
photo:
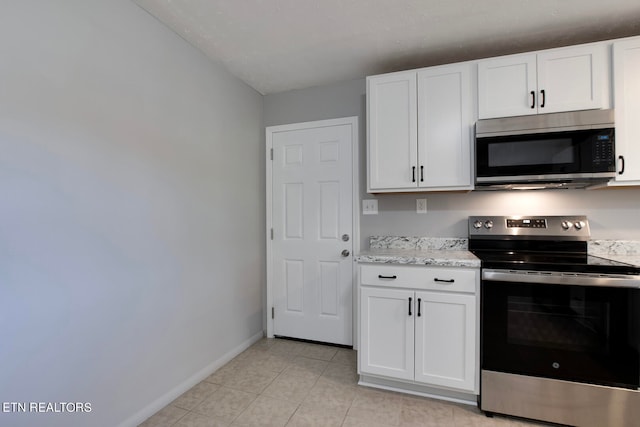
x: 452, y: 252
x: 441, y: 258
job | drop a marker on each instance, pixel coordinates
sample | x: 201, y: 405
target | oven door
x: 571, y: 332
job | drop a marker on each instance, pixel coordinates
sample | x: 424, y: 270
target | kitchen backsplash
x: 418, y: 243
x: 595, y: 247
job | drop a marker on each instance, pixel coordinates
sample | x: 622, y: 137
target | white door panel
x: 311, y: 211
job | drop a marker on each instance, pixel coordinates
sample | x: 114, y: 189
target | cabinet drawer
x: 419, y: 277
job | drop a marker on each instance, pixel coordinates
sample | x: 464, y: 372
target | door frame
x: 355, y: 148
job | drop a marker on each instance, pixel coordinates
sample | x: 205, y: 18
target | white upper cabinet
x: 420, y: 126
x: 626, y: 82
x: 566, y: 79
x: 392, y: 137
x: 446, y: 114
x: 507, y: 86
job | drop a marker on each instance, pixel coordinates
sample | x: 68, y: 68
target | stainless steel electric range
x: 560, y: 329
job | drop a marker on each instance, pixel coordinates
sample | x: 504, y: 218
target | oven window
x: 572, y: 323
x: 531, y: 152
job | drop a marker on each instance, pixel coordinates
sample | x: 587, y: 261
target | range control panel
x: 527, y: 223
x: 575, y: 227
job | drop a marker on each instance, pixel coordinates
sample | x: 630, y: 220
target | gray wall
x: 612, y: 213
x: 131, y: 212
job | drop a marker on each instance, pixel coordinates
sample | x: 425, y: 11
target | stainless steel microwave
x: 558, y: 150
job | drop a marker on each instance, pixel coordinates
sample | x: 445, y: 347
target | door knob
x: 345, y: 253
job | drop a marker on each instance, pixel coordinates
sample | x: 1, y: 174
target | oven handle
x: 560, y: 278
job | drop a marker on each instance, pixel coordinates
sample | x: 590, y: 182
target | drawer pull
x: 380, y: 276
x: 443, y: 280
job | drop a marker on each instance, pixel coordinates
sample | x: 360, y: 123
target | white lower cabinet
x: 445, y: 340
x: 387, y: 332
x: 419, y: 325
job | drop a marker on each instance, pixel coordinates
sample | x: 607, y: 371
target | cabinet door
x: 445, y: 125
x: 392, y: 137
x: 626, y: 69
x: 445, y: 340
x: 571, y: 79
x: 386, y: 332
x: 507, y: 86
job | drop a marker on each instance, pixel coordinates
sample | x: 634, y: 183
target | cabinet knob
x: 345, y: 253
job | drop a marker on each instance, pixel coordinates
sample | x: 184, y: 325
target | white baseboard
x: 172, y: 394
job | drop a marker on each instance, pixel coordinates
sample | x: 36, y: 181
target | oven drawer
x: 419, y: 277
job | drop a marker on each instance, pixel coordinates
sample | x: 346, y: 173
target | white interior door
x: 312, y: 221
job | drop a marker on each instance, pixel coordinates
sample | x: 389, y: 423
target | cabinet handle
x: 419, y: 301
x: 421, y: 173
x: 413, y: 174
x: 543, y: 98
x: 444, y: 280
x: 409, y: 306
x: 380, y: 276
x: 533, y: 100
x: 621, y: 158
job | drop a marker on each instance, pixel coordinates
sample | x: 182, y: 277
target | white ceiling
x: 278, y: 45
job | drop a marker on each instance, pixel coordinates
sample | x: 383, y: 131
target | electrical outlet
x: 421, y: 206
x: 370, y: 207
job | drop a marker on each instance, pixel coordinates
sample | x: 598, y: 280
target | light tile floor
x: 288, y: 383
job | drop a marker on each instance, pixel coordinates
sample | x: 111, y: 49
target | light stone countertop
x: 433, y: 251
x: 451, y: 252
x: 441, y: 258
x: 627, y: 251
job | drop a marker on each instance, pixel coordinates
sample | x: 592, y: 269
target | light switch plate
x: 421, y: 206
x: 370, y: 207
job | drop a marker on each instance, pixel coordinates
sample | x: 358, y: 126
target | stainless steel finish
x: 558, y: 401
x: 569, y: 184
x: 553, y: 229
x: 545, y: 123
x: 345, y: 237
x: 568, y: 181
x: 560, y: 278
x: 345, y: 253
x: 551, y: 177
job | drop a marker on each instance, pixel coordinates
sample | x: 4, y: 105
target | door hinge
x: 273, y: 312
x: 272, y: 234
x: 272, y: 154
